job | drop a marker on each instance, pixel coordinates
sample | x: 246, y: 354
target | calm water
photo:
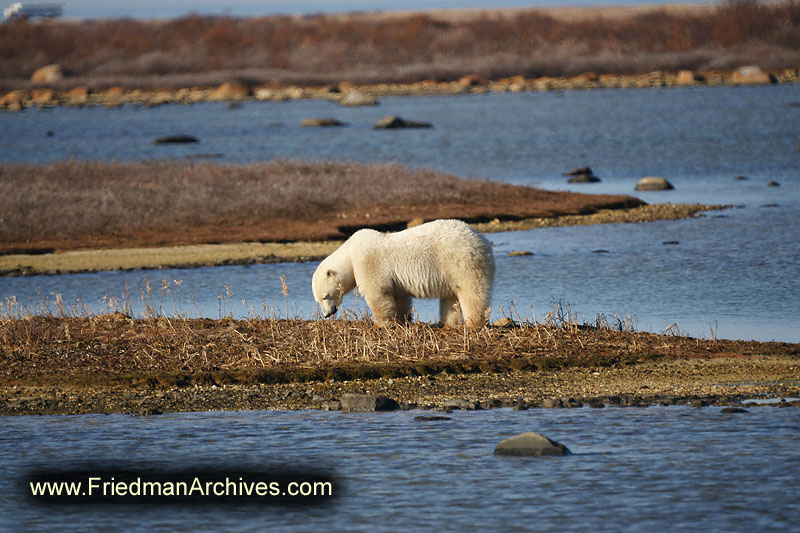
x: 663, y: 469
x: 733, y: 274
x: 659, y: 469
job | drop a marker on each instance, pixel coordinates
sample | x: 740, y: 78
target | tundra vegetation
x: 374, y: 48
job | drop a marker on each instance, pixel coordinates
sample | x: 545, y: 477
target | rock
x: 357, y: 98
x: 43, y: 96
x: 367, y: 402
x: 431, y: 418
x: 504, y: 323
x: 231, y: 90
x: 518, y: 253
x: 653, y: 183
x: 472, y: 80
x: 415, y: 222
x: 685, y: 77
x: 321, y: 122
x: 741, y: 178
x: 584, y: 178
x: 752, y: 75
x: 733, y: 410
x: 581, y: 175
x: 331, y: 405
x: 530, y: 444
x: 78, y: 95
x: 460, y: 404
x: 671, y: 243
x: 176, y: 139
x: 50, y: 74
x: 395, y: 122
x: 773, y: 184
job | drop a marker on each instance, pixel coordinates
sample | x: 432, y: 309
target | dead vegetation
x: 315, y: 50
x: 79, y: 204
x: 73, y: 344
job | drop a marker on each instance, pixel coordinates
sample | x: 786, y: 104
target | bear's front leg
x: 450, y: 311
x: 383, y: 306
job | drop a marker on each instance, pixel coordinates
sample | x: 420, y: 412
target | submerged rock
x: 321, y: 122
x: 530, y: 444
x: 176, y: 139
x: 395, y: 122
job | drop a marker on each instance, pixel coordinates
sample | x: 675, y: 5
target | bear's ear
x: 331, y: 273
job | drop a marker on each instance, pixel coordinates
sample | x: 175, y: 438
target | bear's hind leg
x: 450, y: 311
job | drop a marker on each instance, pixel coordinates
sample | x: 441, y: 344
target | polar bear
x: 443, y: 259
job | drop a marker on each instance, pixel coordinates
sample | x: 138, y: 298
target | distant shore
x: 369, y: 94
x: 199, y: 255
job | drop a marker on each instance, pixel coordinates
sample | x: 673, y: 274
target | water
x: 734, y: 274
x: 660, y: 468
x: 155, y: 9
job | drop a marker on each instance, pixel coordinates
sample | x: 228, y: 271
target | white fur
x: 443, y: 259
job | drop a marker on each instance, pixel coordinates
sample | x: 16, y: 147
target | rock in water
x: 367, y: 402
x: 176, y: 139
x: 653, y: 183
x: 530, y: 444
x: 394, y: 122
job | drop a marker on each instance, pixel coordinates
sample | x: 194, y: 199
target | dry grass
x: 319, y: 49
x: 74, y: 343
x: 78, y: 204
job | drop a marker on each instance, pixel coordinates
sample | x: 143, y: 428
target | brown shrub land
x: 364, y: 48
x: 77, y: 204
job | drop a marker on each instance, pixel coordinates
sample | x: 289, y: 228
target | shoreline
x: 233, y: 93
x: 717, y: 381
x: 111, y: 363
x: 248, y: 253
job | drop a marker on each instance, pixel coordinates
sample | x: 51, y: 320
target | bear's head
x: 328, y: 290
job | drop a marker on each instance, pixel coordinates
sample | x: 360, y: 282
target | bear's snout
x: 331, y: 311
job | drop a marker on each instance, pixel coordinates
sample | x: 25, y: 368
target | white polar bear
x: 443, y: 259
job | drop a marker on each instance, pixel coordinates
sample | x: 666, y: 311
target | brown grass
x: 181, y: 351
x: 76, y: 204
x: 365, y: 49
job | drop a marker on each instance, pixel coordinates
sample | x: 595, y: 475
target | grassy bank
x: 75, y: 204
x: 112, y: 363
x: 402, y: 47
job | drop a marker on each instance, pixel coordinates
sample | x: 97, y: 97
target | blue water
x: 241, y: 8
x: 734, y: 274
x: 658, y: 469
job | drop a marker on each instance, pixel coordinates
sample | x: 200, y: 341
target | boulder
x: 581, y: 175
x: 686, y: 77
x: 518, y: 253
x: 231, y: 90
x: 357, y: 98
x: 395, y: 122
x: 653, y: 183
x: 416, y: 221
x: 43, y: 96
x: 367, y: 402
x: 321, y: 122
x: 78, y: 95
x: 530, y: 444
x: 472, y: 80
x: 752, y: 75
x: 49, y: 74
